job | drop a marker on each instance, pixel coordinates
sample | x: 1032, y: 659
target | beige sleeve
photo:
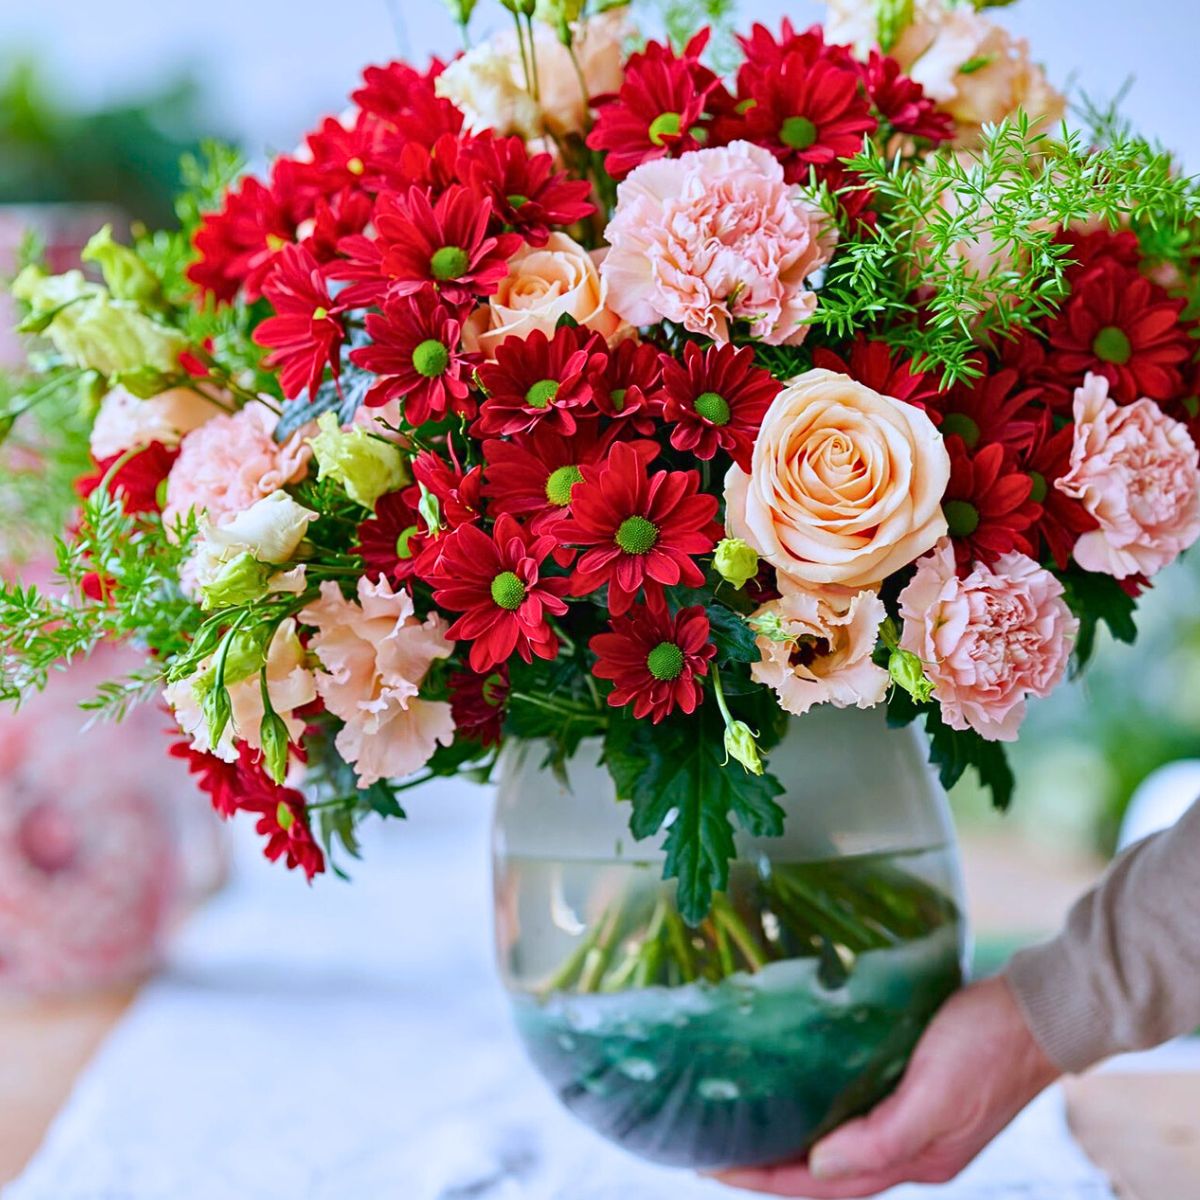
x: 1125, y: 973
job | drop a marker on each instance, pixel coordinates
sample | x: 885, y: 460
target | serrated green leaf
x: 1095, y: 598
x: 952, y: 751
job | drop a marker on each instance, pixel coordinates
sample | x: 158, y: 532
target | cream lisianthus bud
x: 736, y: 562
x: 271, y: 530
x: 907, y: 671
x: 366, y: 466
x: 239, y: 581
x: 740, y: 745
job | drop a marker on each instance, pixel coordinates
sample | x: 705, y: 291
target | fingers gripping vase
x: 798, y: 1000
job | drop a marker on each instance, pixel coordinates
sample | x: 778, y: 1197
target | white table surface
x: 351, y: 1041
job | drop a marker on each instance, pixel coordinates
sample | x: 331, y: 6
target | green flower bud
x: 522, y: 8
x: 892, y: 18
x: 768, y: 624
x: 907, y: 672
x: 240, y: 581
x: 740, y: 744
x: 558, y: 13
x: 275, y: 742
x: 145, y: 382
x: 93, y: 387
x: 736, y: 562
x: 127, y: 277
x: 366, y: 466
x: 218, y: 712
x: 461, y: 10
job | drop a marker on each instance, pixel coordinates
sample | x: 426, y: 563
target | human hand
x: 975, y: 1068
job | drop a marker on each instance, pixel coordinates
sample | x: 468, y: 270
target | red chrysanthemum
x: 238, y: 246
x: 304, y: 336
x: 390, y: 541
x: 1091, y: 249
x: 1119, y: 324
x: 421, y: 245
x: 406, y: 100
x: 539, y: 381
x: 459, y: 493
x: 283, y: 822
x: 665, y: 107
x: 991, y: 408
x: 528, y: 195
x: 629, y: 388
x: 137, y: 480
x: 335, y: 218
x: 716, y: 400
x: 800, y: 98
x: 654, y: 660
x: 416, y: 354
x: 884, y: 370
x: 477, y: 703
x: 534, y: 475
x: 1063, y: 518
x: 341, y: 156
x: 497, y: 584
x: 901, y: 102
x: 638, y: 530
x: 988, y: 503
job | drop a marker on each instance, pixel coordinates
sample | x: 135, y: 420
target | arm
x: 1124, y: 974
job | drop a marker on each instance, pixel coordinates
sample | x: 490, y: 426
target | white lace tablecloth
x: 351, y: 1043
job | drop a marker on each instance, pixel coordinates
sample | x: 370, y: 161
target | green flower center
x: 665, y: 661
x: 1112, y: 346
x: 665, y: 125
x: 798, y: 133
x: 636, y: 535
x: 508, y: 591
x: 355, y: 165
x: 1040, y: 487
x: 450, y: 262
x: 560, y: 483
x: 713, y: 407
x: 403, y: 549
x: 962, y: 517
x: 964, y: 426
x: 319, y: 314
x: 431, y: 358
x: 617, y: 396
x: 517, y: 200
x: 542, y: 394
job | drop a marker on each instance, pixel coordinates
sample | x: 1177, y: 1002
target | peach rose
x: 989, y: 641
x: 1137, y: 471
x: 816, y: 649
x: 544, y: 284
x: 845, y: 484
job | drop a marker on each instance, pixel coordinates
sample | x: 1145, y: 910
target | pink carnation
x: 817, y: 649
x: 713, y: 237
x: 1137, y: 471
x: 988, y: 641
x: 376, y: 654
x: 231, y: 462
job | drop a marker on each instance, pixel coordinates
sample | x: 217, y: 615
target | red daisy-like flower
x: 716, y: 400
x: 138, y: 480
x: 901, y: 102
x: 405, y: 99
x: 415, y: 351
x: 539, y: 381
x: 443, y: 246
x: 477, y: 703
x: 238, y: 246
x: 283, y: 822
x: 1091, y: 249
x: 655, y: 660
x: 1119, y: 324
x: 991, y: 408
x: 884, y: 370
x: 534, y: 475
x: 497, y: 584
x: 303, y: 335
x: 988, y: 503
x: 1063, y: 519
x: 390, y: 541
x: 638, y: 530
x: 528, y: 195
x: 629, y: 388
x: 665, y: 107
x: 459, y: 493
x: 341, y: 156
x: 345, y: 214
x: 803, y: 100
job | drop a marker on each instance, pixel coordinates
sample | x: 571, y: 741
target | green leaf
x: 733, y: 638
x: 676, y: 771
x: 952, y: 751
x: 1094, y: 598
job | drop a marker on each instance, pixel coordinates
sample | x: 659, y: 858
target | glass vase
x: 794, y: 1006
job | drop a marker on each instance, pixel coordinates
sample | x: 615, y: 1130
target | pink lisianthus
x: 816, y: 648
x: 376, y: 654
x: 1137, y: 472
x: 715, y: 237
x: 231, y: 462
x: 988, y: 641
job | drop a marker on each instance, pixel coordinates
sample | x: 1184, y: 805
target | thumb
x: 890, y: 1136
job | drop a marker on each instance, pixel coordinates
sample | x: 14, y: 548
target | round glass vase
x: 798, y: 1000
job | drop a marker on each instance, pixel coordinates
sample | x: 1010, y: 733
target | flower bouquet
x: 644, y: 408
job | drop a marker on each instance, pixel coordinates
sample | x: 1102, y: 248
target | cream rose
x: 845, y: 484
x: 543, y: 285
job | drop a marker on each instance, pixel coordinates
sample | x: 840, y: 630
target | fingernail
x: 828, y: 1164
